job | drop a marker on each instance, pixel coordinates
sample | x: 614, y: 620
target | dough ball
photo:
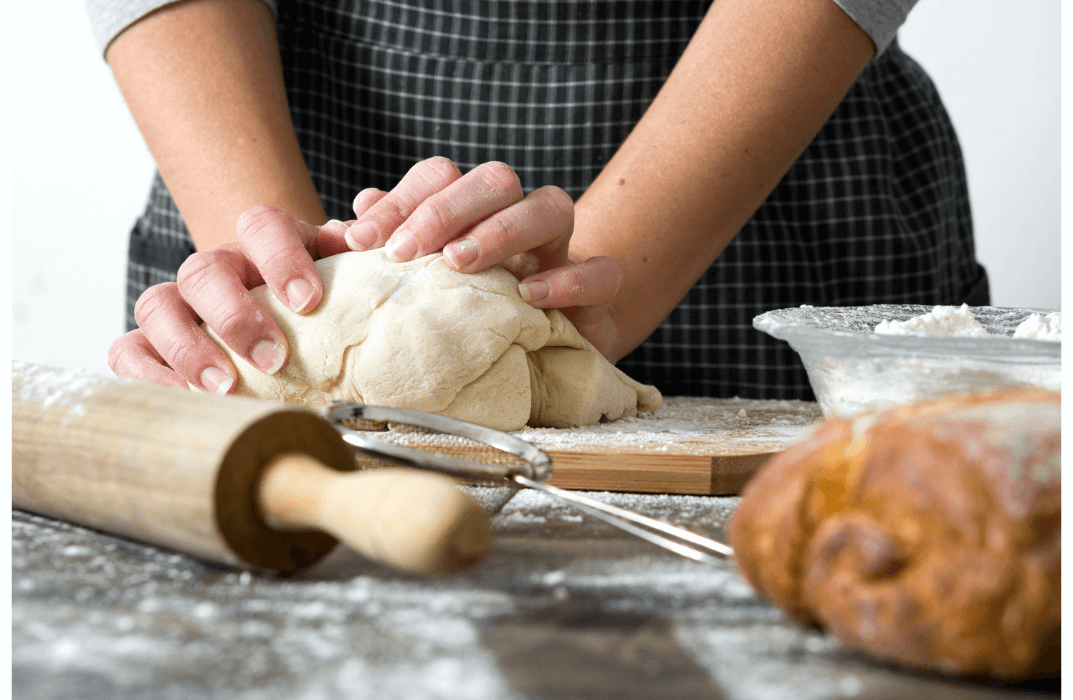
x: 420, y: 335
x: 928, y: 535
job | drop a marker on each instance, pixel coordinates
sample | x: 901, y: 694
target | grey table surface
x: 564, y: 607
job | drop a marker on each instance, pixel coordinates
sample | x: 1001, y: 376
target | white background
x: 81, y: 172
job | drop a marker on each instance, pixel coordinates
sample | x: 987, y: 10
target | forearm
x: 203, y: 81
x: 756, y: 84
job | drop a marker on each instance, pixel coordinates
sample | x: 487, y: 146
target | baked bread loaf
x: 927, y: 535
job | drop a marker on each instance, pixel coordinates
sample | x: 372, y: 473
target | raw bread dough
x: 929, y: 534
x: 420, y: 335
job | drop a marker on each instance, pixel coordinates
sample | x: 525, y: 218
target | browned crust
x: 927, y: 535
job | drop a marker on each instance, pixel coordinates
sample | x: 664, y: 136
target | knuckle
x: 437, y: 171
x: 117, y: 353
x: 432, y: 215
x: 197, y: 269
x: 388, y: 213
x: 277, y: 258
x: 573, y: 280
x: 181, y: 356
x: 558, y: 200
x: 499, y: 232
x: 500, y: 176
x: 257, y: 219
x: 229, y: 321
x: 152, y: 301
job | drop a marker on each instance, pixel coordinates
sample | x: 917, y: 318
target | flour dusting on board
x: 684, y: 425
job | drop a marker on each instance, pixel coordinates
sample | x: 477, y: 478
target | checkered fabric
x: 875, y: 211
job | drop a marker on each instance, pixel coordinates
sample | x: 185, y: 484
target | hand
x: 482, y: 218
x: 273, y: 248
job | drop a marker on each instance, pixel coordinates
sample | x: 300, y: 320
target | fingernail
x: 402, y: 247
x: 335, y: 224
x: 216, y: 380
x: 268, y: 355
x: 299, y: 292
x: 462, y: 253
x: 534, y: 291
x: 362, y: 235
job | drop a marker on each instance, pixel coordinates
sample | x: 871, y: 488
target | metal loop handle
x: 537, y: 462
x: 532, y: 474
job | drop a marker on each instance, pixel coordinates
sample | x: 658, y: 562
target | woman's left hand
x: 482, y: 218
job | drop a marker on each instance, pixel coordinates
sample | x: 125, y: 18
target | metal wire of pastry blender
x: 532, y: 474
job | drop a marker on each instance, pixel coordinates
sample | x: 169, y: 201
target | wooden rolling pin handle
x: 411, y: 520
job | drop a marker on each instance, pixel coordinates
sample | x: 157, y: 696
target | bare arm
x: 757, y: 82
x: 754, y: 87
x: 203, y: 81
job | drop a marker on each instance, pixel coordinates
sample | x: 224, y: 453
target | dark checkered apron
x: 875, y: 211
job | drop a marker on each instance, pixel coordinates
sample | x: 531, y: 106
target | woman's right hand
x: 170, y: 347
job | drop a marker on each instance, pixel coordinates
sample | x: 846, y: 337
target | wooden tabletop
x: 564, y: 607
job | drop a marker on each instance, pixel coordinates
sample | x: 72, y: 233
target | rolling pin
x: 233, y: 480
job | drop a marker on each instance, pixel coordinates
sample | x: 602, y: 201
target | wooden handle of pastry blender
x: 411, y: 520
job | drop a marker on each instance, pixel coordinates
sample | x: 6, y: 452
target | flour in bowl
x: 958, y: 320
x: 942, y: 320
x: 1047, y: 327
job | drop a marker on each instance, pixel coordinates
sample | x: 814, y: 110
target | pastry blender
x: 533, y: 471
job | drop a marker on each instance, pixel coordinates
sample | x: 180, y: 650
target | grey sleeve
x: 879, y: 19
x: 108, y: 18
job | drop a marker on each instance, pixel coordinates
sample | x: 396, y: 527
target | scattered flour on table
x: 530, y: 505
x: 152, y: 623
x: 959, y: 320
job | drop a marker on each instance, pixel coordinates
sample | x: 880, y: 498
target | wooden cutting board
x: 690, y: 446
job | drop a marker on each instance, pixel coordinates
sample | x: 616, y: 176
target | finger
x: 544, y: 217
x: 331, y: 239
x: 278, y: 247
x: 524, y: 265
x: 214, y: 283
x: 132, y: 355
x: 375, y: 226
x: 594, y: 323
x: 172, y: 334
x: 584, y: 293
x: 594, y: 282
x: 482, y: 192
x: 365, y: 199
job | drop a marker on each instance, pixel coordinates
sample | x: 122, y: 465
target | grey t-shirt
x: 879, y: 19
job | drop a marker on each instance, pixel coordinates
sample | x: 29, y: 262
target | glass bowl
x: 852, y: 369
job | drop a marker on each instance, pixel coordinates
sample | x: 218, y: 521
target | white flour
x: 683, y: 425
x: 1047, y: 327
x: 955, y: 320
x: 942, y: 320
